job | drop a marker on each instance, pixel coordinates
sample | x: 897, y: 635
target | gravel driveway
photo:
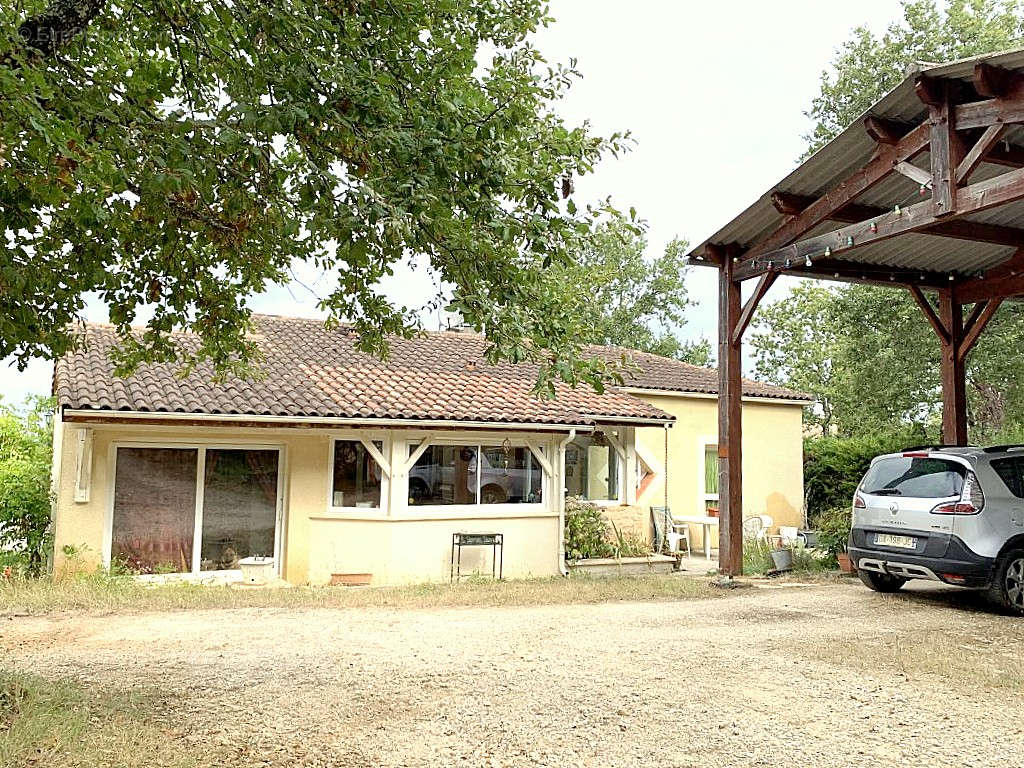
x: 830, y: 675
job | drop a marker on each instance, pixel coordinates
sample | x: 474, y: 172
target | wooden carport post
x: 733, y: 319
x: 730, y: 431
x: 954, y: 375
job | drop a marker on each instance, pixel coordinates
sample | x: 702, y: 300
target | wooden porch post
x: 954, y: 378
x: 730, y: 433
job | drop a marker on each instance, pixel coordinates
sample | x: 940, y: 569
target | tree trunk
x: 62, y: 21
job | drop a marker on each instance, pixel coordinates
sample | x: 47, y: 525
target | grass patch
x: 101, y: 593
x: 44, y: 723
x: 962, y: 661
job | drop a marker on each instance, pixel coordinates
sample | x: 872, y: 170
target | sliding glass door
x: 186, y: 510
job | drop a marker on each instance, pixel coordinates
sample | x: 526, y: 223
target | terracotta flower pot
x: 351, y: 579
x: 845, y: 563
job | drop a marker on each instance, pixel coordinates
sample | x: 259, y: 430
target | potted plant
x: 833, y: 534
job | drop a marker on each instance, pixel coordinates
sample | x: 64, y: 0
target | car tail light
x: 858, y: 502
x: 972, y: 499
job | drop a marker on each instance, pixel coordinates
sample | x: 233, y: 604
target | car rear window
x: 923, y: 478
x: 1011, y: 472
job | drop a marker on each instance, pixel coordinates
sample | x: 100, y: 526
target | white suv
x: 954, y: 515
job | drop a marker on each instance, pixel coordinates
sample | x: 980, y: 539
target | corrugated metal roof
x: 852, y: 149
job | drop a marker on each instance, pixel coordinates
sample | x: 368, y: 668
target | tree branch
x: 62, y: 21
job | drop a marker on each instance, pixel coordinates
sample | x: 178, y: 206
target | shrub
x: 834, y: 531
x: 589, y: 534
x: 833, y: 466
x: 586, y: 531
x: 25, y: 457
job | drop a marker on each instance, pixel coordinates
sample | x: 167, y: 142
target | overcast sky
x: 714, y: 94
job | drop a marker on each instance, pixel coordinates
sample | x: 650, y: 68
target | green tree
x: 872, y: 361
x: 626, y: 300
x: 178, y: 155
x: 25, y: 459
x: 867, y: 66
x: 794, y: 344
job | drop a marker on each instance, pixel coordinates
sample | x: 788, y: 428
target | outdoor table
x: 705, y: 520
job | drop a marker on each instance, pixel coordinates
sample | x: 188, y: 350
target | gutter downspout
x: 561, y: 501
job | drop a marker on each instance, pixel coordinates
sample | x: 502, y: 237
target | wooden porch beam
x: 957, y: 229
x: 1001, y: 282
x: 975, y: 326
x: 980, y: 196
x: 730, y: 429
x: 954, y: 379
x: 847, y: 191
x: 884, y: 131
x: 945, y: 151
x: 747, y: 314
x: 929, y: 312
x: 994, y: 82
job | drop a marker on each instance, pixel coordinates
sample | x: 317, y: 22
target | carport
x: 925, y: 192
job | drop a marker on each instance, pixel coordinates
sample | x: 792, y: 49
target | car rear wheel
x: 1007, y: 588
x: 881, y: 582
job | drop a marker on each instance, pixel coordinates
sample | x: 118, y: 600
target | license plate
x: 891, y: 540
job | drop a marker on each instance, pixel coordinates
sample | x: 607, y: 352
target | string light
x: 789, y: 263
x: 849, y: 241
x: 828, y: 252
x: 807, y: 261
x: 898, y: 211
x: 874, y: 227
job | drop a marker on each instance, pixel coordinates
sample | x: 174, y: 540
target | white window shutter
x: 83, y: 465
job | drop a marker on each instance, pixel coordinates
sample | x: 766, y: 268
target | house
x: 336, y: 463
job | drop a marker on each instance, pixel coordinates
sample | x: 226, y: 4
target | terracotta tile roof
x: 311, y: 371
x: 667, y: 374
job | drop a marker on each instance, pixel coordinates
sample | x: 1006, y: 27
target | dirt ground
x: 827, y: 675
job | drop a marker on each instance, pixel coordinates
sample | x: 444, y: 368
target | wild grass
x: 44, y: 723
x: 927, y: 655
x: 99, y: 593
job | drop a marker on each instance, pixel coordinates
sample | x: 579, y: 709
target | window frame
x: 381, y: 510
x: 704, y: 497
x: 620, y: 474
x: 477, y: 509
x: 200, y: 447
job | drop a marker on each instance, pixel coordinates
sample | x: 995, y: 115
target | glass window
x: 239, y: 507
x: 154, y: 509
x: 444, y: 474
x: 710, y: 477
x: 509, y: 476
x: 910, y: 476
x: 592, y: 468
x: 1011, y: 472
x: 357, y: 475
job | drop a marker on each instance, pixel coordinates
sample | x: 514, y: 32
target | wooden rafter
x: 1003, y: 281
x: 975, y: 198
x: 884, y: 131
x: 994, y: 82
x: 957, y: 229
x: 845, y: 192
x: 929, y: 312
x: 747, y: 313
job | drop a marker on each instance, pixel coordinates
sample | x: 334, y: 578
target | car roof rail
x: 1002, y: 448
x: 931, y: 447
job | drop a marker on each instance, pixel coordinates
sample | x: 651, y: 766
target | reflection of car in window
x: 506, y: 476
